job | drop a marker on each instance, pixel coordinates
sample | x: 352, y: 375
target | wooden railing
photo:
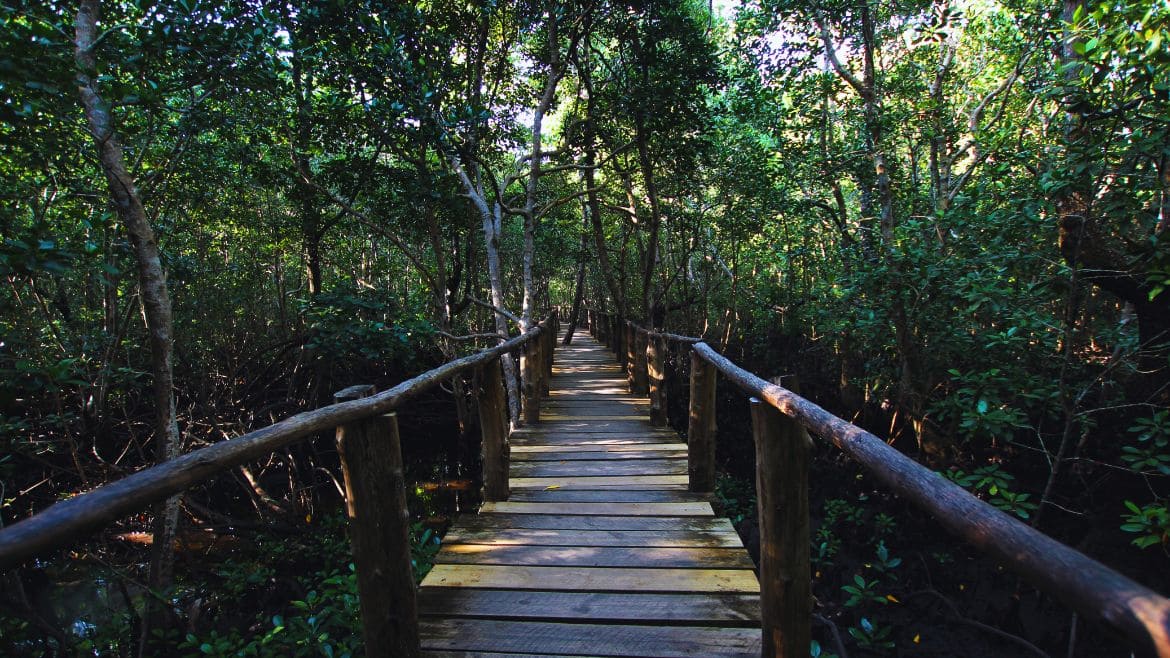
x: 371, y: 459
x: 780, y: 419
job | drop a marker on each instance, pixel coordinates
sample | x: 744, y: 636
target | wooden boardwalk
x: 601, y: 550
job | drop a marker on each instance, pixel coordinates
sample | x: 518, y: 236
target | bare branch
x: 563, y: 200
x: 444, y: 334
x: 508, y: 314
x: 831, y: 55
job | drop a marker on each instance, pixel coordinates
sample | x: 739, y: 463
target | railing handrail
x: 1091, y: 588
x: 71, y: 520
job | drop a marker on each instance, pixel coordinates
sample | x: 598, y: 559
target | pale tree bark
x: 156, y: 303
x: 491, y: 216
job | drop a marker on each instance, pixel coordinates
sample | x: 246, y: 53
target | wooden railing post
x: 656, y: 370
x: 701, y: 427
x: 641, y: 339
x: 529, y: 374
x: 493, y: 422
x: 631, y: 339
x: 782, y: 498
x: 375, y: 499
x: 549, y: 338
x: 619, y: 339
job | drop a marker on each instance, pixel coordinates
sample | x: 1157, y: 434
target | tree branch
x: 508, y: 314
x: 831, y: 55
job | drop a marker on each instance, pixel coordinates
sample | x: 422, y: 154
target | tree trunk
x: 579, y: 287
x: 491, y: 229
x: 156, y: 302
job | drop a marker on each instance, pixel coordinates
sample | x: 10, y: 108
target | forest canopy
x: 948, y: 218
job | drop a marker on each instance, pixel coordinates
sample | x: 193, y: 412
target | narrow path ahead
x: 601, y: 550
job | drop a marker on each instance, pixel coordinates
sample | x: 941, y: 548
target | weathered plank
x: 596, y: 556
x: 545, y: 638
x: 576, y: 453
x: 604, y: 447
x: 590, y: 579
x: 606, y: 496
x: 598, y: 467
x: 696, y: 609
x: 593, y: 522
x: 631, y: 481
x: 663, y: 538
x: 611, y: 426
x: 521, y: 439
x: 614, y: 509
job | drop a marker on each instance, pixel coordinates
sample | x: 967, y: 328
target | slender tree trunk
x: 156, y: 302
x: 579, y: 288
x: 650, y: 259
x: 310, y: 212
x: 585, y: 72
x: 491, y: 230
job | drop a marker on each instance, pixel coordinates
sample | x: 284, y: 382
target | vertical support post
x: 631, y: 340
x: 529, y: 374
x: 493, y: 423
x: 549, y: 349
x: 641, y: 377
x: 379, y: 522
x: 619, y: 339
x: 701, y: 427
x: 656, y: 369
x: 782, y: 496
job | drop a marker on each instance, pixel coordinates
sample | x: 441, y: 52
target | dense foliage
x: 949, y: 218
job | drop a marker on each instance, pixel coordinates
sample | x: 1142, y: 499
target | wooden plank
x: 609, y: 449
x: 663, y: 538
x: 588, y: 482
x: 590, y: 579
x: 522, y: 439
x: 566, y: 394
x: 593, y: 522
x: 606, y: 496
x: 603, y: 467
x: 596, y: 556
x: 610, y: 426
x: 588, y: 418
x: 488, y: 655
x: 609, y: 509
x: 545, y: 638
x: 577, y: 454
x: 661, y: 609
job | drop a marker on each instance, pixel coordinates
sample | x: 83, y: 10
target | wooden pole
x: 656, y: 370
x: 379, y: 529
x: 493, y: 422
x: 549, y: 349
x: 782, y: 498
x: 641, y: 340
x: 631, y: 340
x: 529, y: 368
x: 619, y: 339
x: 701, y: 427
